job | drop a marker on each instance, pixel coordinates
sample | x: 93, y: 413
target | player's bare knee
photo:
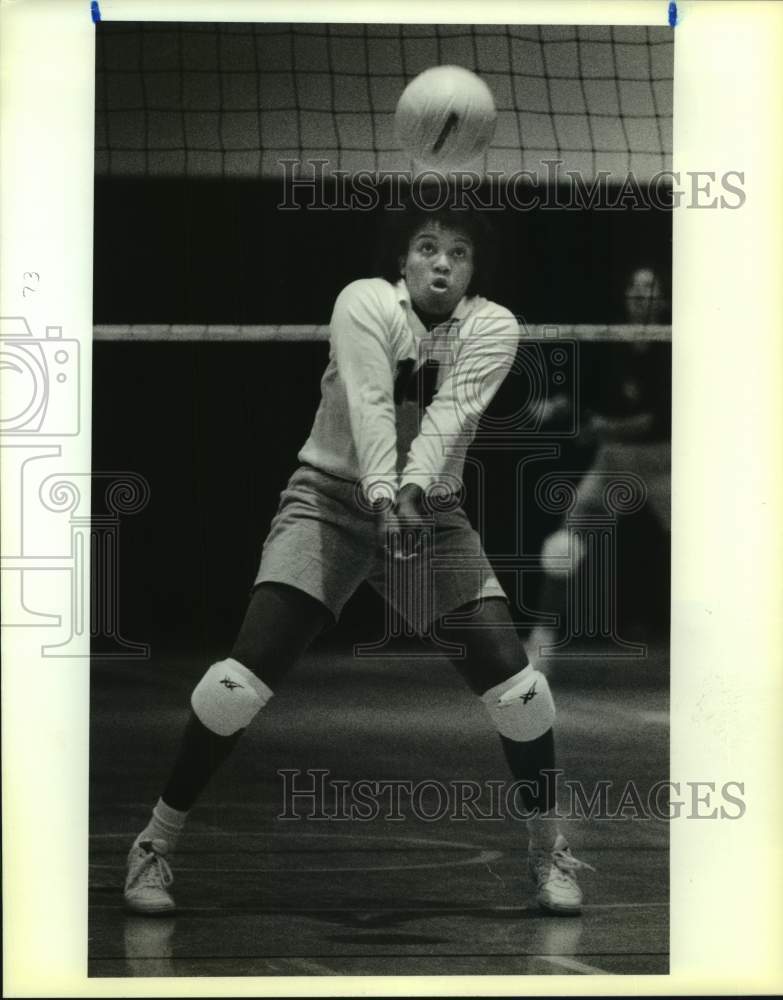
x: 228, y: 697
x: 522, y: 706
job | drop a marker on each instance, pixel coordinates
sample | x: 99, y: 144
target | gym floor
x: 259, y: 895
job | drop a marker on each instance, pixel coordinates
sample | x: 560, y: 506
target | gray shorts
x: 322, y: 542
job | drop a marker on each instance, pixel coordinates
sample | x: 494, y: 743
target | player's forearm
x: 430, y: 460
x: 375, y: 439
x: 374, y: 433
x: 363, y: 355
x: 450, y: 422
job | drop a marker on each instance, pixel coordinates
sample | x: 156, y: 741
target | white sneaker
x: 553, y: 873
x: 148, y: 879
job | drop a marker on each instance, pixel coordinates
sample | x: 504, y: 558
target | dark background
x: 215, y: 428
x: 220, y: 251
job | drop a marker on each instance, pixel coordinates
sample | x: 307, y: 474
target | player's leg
x: 495, y: 666
x: 521, y: 707
x: 561, y: 554
x: 279, y: 624
x: 317, y: 551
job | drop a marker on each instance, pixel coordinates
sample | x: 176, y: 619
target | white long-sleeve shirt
x: 359, y: 433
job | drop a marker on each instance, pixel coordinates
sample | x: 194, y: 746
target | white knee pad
x: 521, y: 707
x: 228, y: 697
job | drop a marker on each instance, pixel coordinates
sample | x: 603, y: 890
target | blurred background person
x: 625, y: 415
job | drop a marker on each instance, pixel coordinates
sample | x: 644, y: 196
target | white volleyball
x: 445, y: 117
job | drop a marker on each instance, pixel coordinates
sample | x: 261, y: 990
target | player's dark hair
x: 398, y: 227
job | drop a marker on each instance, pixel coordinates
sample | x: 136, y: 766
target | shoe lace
x: 558, y: 865
x: 154, y: 871
x: 565, y: 862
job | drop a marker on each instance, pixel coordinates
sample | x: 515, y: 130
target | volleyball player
x: 416, y: 356
x: 626, y: 416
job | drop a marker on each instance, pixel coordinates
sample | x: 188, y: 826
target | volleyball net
x: 244, y: 101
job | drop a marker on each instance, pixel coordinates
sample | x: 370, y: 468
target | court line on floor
x: 314, y: 968
x: 342, y: 835
x: 358, y: 956
x: 444, y: 910
x: 484, y: 858
x: 299, y: 832
x: 621, y: 906
x: 573, y: 965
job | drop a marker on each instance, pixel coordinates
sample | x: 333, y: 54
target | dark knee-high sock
x: 201, y: 753
x: 533, y: 761
x: 231, y: 695
x: 224, y: 702
x: 279, y: 624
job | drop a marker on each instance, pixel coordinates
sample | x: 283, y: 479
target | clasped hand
x: 404, y: 524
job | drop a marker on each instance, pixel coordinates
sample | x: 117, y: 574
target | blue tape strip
x: 672, y: 14
x: 95, y: 10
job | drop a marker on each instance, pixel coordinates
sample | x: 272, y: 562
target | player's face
x: 643, y: 297
x: 437, y: 268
